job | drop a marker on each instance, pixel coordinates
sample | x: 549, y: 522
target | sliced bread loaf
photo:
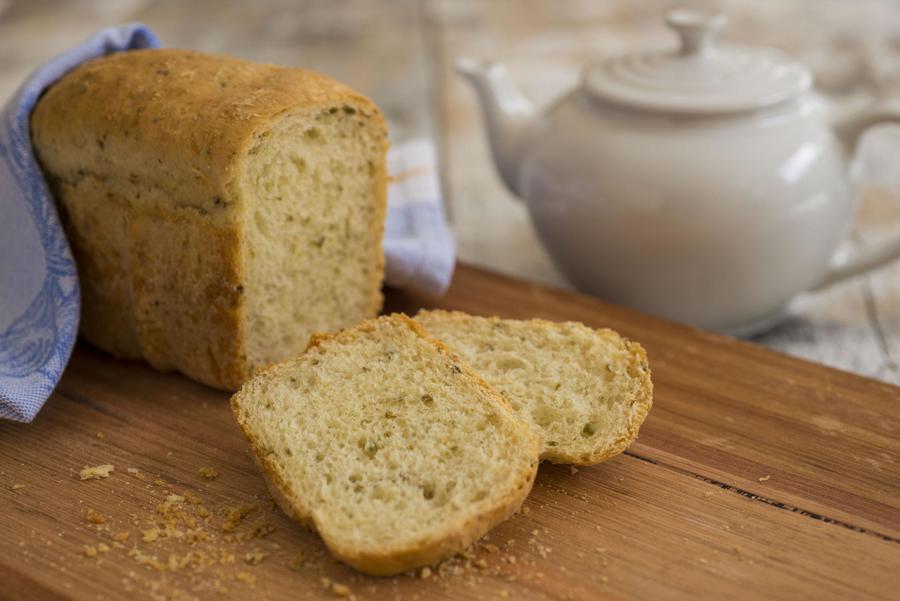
x: 220, y: 211
x: 388, y: 445
x: 585, y: 391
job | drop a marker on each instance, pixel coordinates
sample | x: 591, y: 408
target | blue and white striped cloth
x: 39, y: 294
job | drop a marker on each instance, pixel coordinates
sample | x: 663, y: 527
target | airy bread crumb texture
x: 312, y: 191
x: 585, y: 391
x: 388, y: 445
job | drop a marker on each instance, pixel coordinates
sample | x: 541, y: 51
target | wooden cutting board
x: 755, y: 476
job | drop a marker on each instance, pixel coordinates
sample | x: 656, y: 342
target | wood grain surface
x: 755, y: 476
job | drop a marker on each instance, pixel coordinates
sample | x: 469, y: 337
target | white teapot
x: 709, y: 184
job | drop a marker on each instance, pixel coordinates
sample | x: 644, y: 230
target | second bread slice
x: 585, y: 391
x: 387, y: 445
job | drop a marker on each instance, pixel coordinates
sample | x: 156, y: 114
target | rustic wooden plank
x: 676, y: 517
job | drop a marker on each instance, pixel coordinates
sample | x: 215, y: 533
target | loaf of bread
x: 585, y: 391
x: 220, y: 211
x: 388, y: 445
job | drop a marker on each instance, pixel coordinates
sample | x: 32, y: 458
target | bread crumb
x: 491, y: 548
x: 210, y: 473
x: 146, y: 560
x: 604, y: 579
x: 192, y: 498
x: 136, y: 473
x: 254, y: 557
x: 95, y: 472
x: 89, y: 551
x: 338, y: 589
x: 763, y: 478
x: 174, y: 499
x: 261, y: 529
x: 703, y: 561
x: 425, y: 573
x: 121, y: 537
x: 18, y: 486
x: 151, y: 535
x: 102, y: 547
x: 246, y: 577
x: 94, y: 517
x: 504, y: 594
x: 100, y: 435
x: 481, y: 564
x: 234, y: 515
x: 573, y: 470
x: 600, y: 549
x: 297, y: 561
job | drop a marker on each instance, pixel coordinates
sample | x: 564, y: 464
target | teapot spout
x: 508, y: 114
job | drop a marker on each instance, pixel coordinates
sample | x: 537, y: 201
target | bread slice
x: 388, y: 445
x: 585, y: 391
x: 220, y: 211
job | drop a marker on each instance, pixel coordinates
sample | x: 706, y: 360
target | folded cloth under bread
x: 39, y: 294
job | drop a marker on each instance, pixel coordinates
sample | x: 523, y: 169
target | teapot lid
x: 700, y: 77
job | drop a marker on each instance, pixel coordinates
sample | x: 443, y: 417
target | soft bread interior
x: 313, y: 186
x: 586, y: 392
x: 393, y: 449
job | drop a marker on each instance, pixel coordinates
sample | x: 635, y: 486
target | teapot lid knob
x: 703, y: 77
x: 696, y: 28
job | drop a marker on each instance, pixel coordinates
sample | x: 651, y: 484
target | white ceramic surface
x: 715, y: 212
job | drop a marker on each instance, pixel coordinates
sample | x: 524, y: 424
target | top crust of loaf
x: 606, y: 398
x: 458, y: 391
x: 195, y: 112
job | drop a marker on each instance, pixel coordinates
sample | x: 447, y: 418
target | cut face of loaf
x: 220, y: 211
x: 585, y: 391
x: 387, y: 445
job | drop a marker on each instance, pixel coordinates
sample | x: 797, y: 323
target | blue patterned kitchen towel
x: 39, y: 295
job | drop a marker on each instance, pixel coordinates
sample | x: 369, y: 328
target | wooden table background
x: 755, y: 476
x: 401, y: 52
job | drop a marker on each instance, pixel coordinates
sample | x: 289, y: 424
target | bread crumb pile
x: 184, y: 546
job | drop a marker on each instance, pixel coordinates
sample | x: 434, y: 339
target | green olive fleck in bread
x: 220, y: 211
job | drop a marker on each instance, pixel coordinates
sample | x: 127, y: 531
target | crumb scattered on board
x: 18, y: 486
x: 763, y: 478
x: 94, y: 517
x: 210, y: 473
x: 185, y: 546
x: 96, y: 472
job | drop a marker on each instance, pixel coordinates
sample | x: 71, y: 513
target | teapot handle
x: 851, y: 131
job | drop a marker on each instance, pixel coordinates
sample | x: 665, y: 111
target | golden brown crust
x: 453, y: 538
x: 170, y: 128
